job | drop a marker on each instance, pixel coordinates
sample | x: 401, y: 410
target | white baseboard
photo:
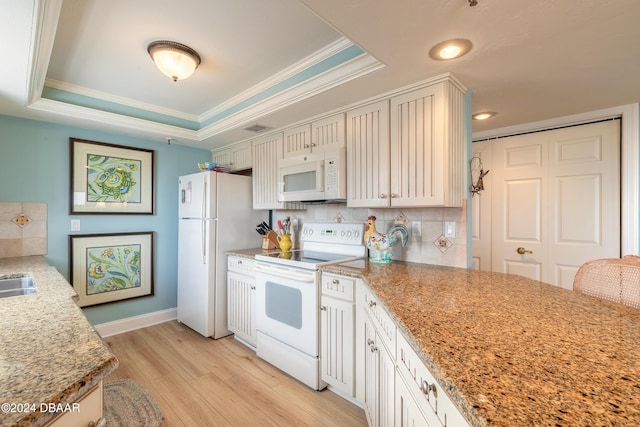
x: 136, y: 322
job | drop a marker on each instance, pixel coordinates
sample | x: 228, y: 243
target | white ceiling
x: 531, y: 60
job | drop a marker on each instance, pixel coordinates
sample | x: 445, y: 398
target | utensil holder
x: 270, y: 241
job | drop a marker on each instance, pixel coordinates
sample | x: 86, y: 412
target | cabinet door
x: 221, y: 156
x: 266, y: 152
x: 379, y: 378
x: 328, y: 133
x: 417, y: 148
x: 241, y: 303
x: 89, y: 411
x: 297, y: 141
x: 240, y: 156
x: 368, y: 156
x: 407, y: 411
x: 337, y: 332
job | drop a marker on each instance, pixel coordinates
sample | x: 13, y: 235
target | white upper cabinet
x: 266, y: 152
x: 236, y: 156
x: 368, y: 158
x: 320, y: 135
x: 409, y: 151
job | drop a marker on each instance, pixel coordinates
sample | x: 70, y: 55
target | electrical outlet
x: 75, y: 225
x: 450, y: 229
x: 416, y: 228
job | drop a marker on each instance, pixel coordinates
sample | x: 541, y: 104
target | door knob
x: 523, y: 251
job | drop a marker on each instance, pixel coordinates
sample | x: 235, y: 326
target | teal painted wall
x: 34, y: 167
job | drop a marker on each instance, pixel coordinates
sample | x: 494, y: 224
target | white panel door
x: 555, y: 201
x: 585, y: 204
x: 519, y: 216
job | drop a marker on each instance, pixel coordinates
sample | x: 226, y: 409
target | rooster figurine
x: 380, y: 244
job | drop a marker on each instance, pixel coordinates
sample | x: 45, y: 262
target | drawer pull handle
x: 426, y: 388
x: 372, y: 304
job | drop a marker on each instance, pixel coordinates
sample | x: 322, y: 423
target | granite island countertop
x: 49, y: 352
x: 513, y: 351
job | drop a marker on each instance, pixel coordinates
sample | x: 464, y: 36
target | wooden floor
x: 205, y: 382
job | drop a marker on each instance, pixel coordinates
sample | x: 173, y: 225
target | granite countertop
x: 513, y: 351
x: 49, y: 352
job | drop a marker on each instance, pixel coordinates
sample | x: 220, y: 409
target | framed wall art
x: 110, y: 179
x: 105, y: 268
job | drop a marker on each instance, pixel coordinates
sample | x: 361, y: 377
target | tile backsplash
x: 23, y: 229
x: 431, y: 247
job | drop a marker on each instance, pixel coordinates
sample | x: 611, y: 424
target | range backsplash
x: 23, y: 229
x: 432, y: 247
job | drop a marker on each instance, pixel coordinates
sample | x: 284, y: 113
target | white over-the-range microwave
x: 313, y: 177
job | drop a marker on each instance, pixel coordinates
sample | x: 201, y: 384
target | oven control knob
x: 349, y: 234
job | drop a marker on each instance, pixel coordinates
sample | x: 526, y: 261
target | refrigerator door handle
x: 203, y: 228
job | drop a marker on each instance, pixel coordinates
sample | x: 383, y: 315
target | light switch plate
x: 450, y: 229
x: 75, y: 225
x: 416, y: 228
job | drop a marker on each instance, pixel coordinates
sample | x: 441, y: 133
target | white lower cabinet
x: 426, y: 391
x: 86, y: 412
x: 407, y: 410
x: 392, y: 382
x: 337, y: 332
x: 241, y: 299
x: 379, y: 378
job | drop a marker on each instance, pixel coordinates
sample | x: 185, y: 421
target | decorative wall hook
x: 477, y: 173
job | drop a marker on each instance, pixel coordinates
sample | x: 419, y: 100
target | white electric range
x: 288, y: 295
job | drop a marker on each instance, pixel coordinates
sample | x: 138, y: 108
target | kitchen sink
x: 14, y: 285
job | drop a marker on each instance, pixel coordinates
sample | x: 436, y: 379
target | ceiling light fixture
x: 483, y: 115
x: 450, y: 49
x: 174, y: 60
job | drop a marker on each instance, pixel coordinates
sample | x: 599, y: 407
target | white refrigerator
x: 215, y: 215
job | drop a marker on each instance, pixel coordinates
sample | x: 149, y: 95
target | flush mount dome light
x: 450, y: 49
x: 483, y: 115
x: 174, y: 60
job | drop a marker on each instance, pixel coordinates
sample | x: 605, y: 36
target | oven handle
x: 289, y: 274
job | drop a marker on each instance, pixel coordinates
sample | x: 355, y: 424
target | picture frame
x: 106, y: 268
x: 110, y: 179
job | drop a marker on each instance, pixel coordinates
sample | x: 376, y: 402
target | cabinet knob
x: 313, y: 144
x: 394, y: 195
x: 426, y: 388
x: 306, y: 145
x: 323, y: 308
x: 369, y: 341
x: 373, y: 349
x: 253, y: 288
x: 335, y: 281
x: 239, y: 261
x: 383, y: 196
x: 372, y: 304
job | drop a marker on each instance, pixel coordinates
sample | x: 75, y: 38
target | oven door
x: 287, y: 305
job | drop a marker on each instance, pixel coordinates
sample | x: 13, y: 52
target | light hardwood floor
x: 198, y: 381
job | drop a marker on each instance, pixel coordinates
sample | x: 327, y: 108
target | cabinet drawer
x: 241, y: 265
x: 429, y: 395
x: 381, y: 320
x: 338, y: 286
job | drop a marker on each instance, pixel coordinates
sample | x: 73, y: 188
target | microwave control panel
x: 331, y: 177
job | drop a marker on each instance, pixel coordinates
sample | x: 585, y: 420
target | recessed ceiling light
x: 450, y: 49
x: 483, y: 115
